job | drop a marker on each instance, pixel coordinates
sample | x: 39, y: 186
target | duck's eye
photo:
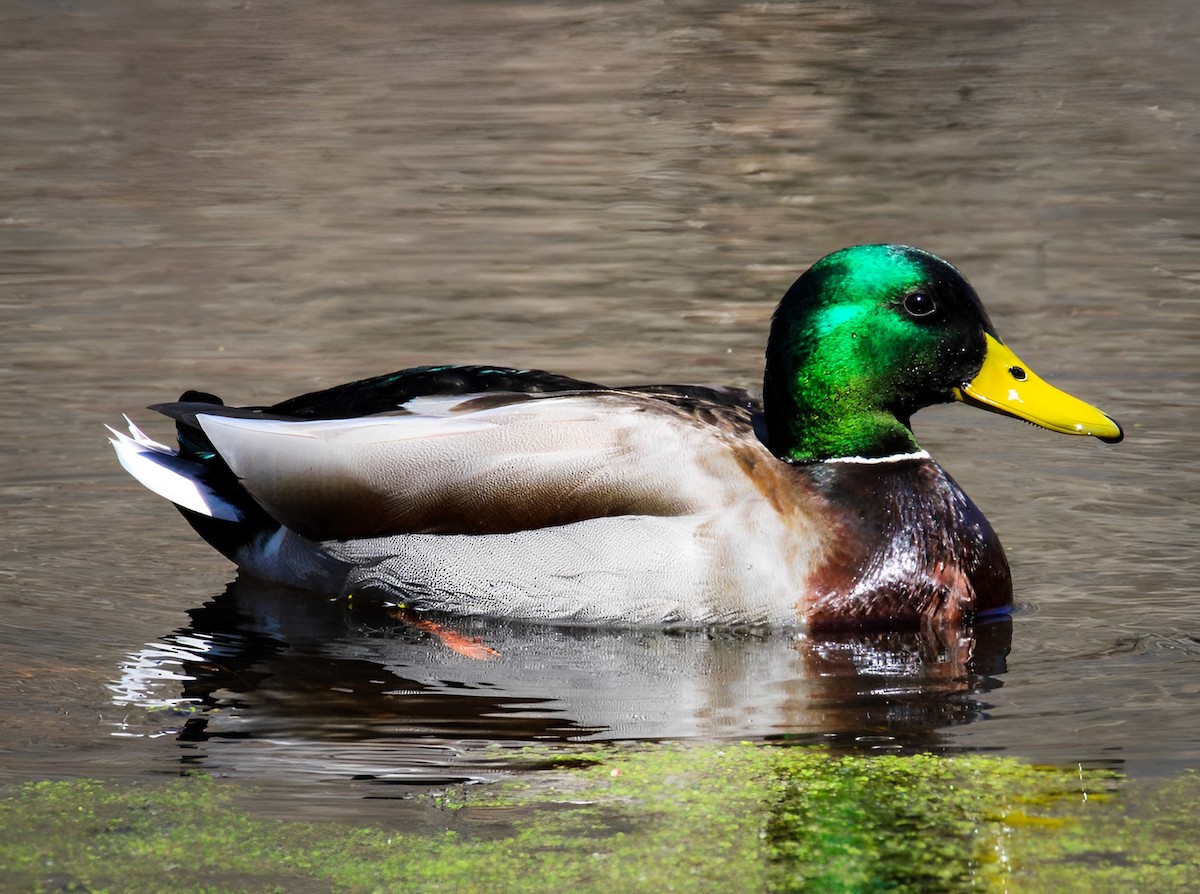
x: 918, y: 304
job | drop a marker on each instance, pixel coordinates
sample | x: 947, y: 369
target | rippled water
x: 260, y: 199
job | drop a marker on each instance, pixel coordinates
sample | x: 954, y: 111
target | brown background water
x: 263, y: 198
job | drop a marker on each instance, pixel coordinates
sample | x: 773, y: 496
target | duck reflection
x: 274, y: 665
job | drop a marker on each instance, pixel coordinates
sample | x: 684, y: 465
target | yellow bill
x: 1006, y: 385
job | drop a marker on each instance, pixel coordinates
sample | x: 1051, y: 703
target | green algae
x: 655, y: 818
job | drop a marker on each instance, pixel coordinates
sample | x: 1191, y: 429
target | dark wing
x: 387, y: 393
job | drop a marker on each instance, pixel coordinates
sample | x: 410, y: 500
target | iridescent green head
x: 865, y: 338
x: 873, y: 333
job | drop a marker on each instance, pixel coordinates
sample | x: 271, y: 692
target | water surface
x: 262, y: 199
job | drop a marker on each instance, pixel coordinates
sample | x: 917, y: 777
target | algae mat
x: 741, y: 817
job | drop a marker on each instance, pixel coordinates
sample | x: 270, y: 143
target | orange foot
x: 467, y: 646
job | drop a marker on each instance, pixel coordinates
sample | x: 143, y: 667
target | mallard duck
x: 524, y: 494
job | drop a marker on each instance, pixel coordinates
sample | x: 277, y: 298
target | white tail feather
x: 160, y: 469
x: 143, y: 439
